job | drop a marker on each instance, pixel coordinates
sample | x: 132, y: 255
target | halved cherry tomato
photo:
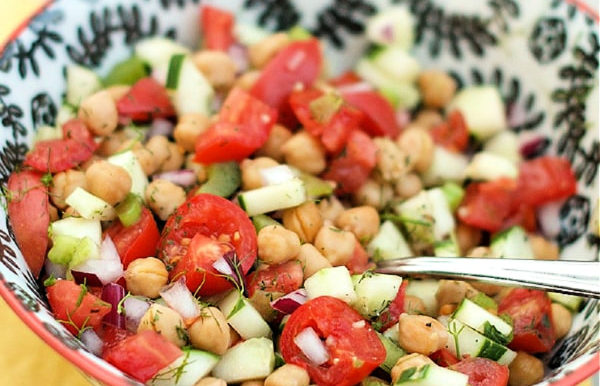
x: 452, y: 134
x: 354, y: 349
x: 244, y: 125
x: 487, y: 204
x: 137, y: 240
x: 75, y: 307
x: 380, y: 117
x: 146, y: 100
x: 300, y: 105
x: 482, y: 372
x: 531, y: 312
x: 142, y: 355
x: 217, y: 28
x: 282, y: 278
x: 546, y: 179
x: 390, y: 316
x: 521, y: 214
x: 29, y: 216
x: 348, y: 77
x: 213, y: 217
x: 443, y: 357
x: 359, y: 262
x: 338, y: 129
x: 112, y: 335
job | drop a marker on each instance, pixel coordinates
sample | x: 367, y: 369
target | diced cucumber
x: 392, y: 333
x: 374, y: 292
x: 70, y: 251
x: 488, y: 167
x: 65, y: 113
x: 368, y: 71
x: 445, y: 166
x: 454, y: 194
x: 572, y: 302
x: 78, y: 228
x: 248, y: 34
x: 186, y: 370
x: 425, y: 290
x: 273, y: 197
x: 45, y: 133
x: 398, y: 64
x: 483, y: 321
x: 157, y: 51
x: 90, y: 206
x: 262, y: 220
x: 443, y: 224
x: 126, y: 72
x: 446, y: 248
x: 483, y: 110
x: 484, y: 301
x: 128, y: 161
x: 81, y: 83
x: 130, y: 209
x: 223, y: 179
x: 392, y: 353
x: 505, y: 144
x: 334, y: 281
x: 315, y: 187
x: 417, y: 217
x: 432, y: 375
x: 373, y: 381
x: 512, y: 243
x: 243, y: 317
x: 193, y: 93
x: 251, y: 359
x: 388, y: 243
x: 463, y: 340
x: 401, y: 95
x: 394, y: 26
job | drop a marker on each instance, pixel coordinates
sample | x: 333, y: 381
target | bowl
x: 542, y: 55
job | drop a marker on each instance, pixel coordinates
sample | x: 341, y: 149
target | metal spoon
x: 569, y: 277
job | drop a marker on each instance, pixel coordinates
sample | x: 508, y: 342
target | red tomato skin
x: 347, y: 78
x: 443, y: 357
x: 546, y: 179
x: 338, y: 130
x: 282, y: 278
x: 299, y: 62
x: 483, y: 372
x: 487, y: 204
x: 452, y: 134
x: 211, y: 216
x: 521, y: 214
x: 380, y: 118
x: 63, y: 297
x: 146, y: 100
x: 360, y: 148
x: 76, y: 129
x: 112, y: 335
x: 142, y: 355
x: 300, y: 105
x: 531, y: 312
x: 29, y: 217
x: 359, y: 262
x: 135, y: 241
x: 332, y: 319
x: 217, y: 28
x: 390, y: 316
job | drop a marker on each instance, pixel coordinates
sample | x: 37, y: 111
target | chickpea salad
x: 214, y: 216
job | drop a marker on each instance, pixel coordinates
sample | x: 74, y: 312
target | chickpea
x: 112, y: 143
x: 484, y: 252
x: 211, y: 381
x: 159, y: 147
x: 260, y: 53
x: 255, y: 382
x: 210, y: 331
x: 53, y: 213
x: 250, y: 168
x: 164, y: 321
x: 373, y: 381
x: 453, y: 291
x: 272, y: 148
x: 163, y: 197
x: 373, y: 194
x: 525, y: 370
x: 544, y: 249
x: 391, y: 160
x: 502, y: 294
x: 218, y: 68
x: 407, y: 362
x: 418, y: 146
x: 363, y: 221
x: 561, y: 320
x: 305, y: 152
x: 147, y: 160
x: 437, y: 88
x: 188, y: 128
x: 467, y: 237
x: 421, y: 334
x: 198, y: 168
x: 118, y: 91
x: 330, y: 208
x: 414, y: 305
x: 428, y: 118
x: 288, y: 375
x: 247, y: 80
x: 335, y: 244
x: 261, y: 301
x: 86, y: 165
x: 409, y: 185
x: 99, y: 112
x: 146, y: 276
x: 175, y: 160
x: 312, y: 260
x: 447, y: 309
x: 277, y: 244
x: 305, y: 220
x: 234, y: 337
x: 107, y: 181
x: 63, y: 184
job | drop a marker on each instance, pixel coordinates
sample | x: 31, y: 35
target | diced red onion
x: 227, y: 266
x: 387, y: 33
x: 515, y: 115
x: 533, y: 147
x: 222, y: 266
x: 402, y: 118
x: 59, y: 271
x: 548, y: 218
x: 160, y: 127
x: 113, y: 293
x: 311, y: 345
x: 276, y: 174
x: 135, y: 308
x: 108, y: 268
x: 91, y: 341
x: 239, y: 55
x: 290, y: 302
x: 296, y: 60
x: 355, y: 87
x: 217, y: 101
x: 86, y: 278
x: 178, y: 297
x: 183, y: 177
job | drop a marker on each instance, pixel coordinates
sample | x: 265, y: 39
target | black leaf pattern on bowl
x: 13, y: 151
x: 166, y: 4
x: 574, y: 217
x: 28, y: 302
x: 344, y: 15
x: 278, y: 15
x: 548, y: 39
x: 8, y: 258
x: 43, y: 110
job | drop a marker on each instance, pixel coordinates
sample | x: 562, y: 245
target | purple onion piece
x: 87, y: 278
x: 239, y: 55
x: 113, y: 293
x: 59, y: 271
x: 290, y: 302
x: 183, y: 177
x: 534, y: 147
x: 160, y: 127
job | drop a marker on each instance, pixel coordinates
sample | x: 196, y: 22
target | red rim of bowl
x: 90, y: 368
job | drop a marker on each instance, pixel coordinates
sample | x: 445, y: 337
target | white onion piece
x: 59, y: 271
x: 288, y: 303
x: 91, y: 341
x: 108, y: 268
x: 222, y: 266
x: 178, y: 297
x: 239, y: 55
x: 135, y: 308
x: 355, y: 87
x: 183, y: 177
x: 549, y: 219
x: 159, y: 74
x: 311, y: 345
x: 276, y: 175
x: 160, y: 127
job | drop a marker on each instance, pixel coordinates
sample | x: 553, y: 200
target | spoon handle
x: 568, y: 277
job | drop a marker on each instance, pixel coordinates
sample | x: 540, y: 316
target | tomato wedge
x: 482, y: 372
x: 546, y: 179
x: 29, y: 216
x: 217, y: 219
x: 282, y: 278
x: 217, y: 28
x: 380, y: 117
x: 452, y: 134
x: 338, y: 129
x: 146, y: 100
x: 142, y: 355
x: 347, y: 78
x: 354, y: 348
x: 75, y: 307
x: 300, y: 105
x: 487, y: 204
x: 444, y: 357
